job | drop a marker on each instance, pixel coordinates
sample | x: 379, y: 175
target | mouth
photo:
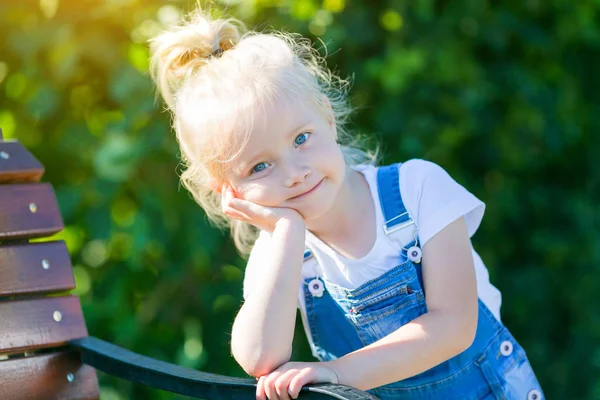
x: 308, y: 192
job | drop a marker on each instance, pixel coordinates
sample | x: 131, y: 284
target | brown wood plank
x: 17, y: 164
x: 35, y: 268
x: 47, y: 376
x: 31, y: 324
x: 28, y: 210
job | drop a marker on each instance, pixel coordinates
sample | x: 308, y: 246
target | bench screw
x: 70, y: 377
x: 45, y: 264
x: 57, y: 316
x: 4, y: 155
x: 33, y: 207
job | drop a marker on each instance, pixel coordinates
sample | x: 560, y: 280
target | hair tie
x: 217, y: 52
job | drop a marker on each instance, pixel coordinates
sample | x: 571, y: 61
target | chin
x: 308, y: 216
x: 315, y: 210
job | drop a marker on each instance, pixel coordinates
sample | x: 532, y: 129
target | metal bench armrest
x: 125, y: 364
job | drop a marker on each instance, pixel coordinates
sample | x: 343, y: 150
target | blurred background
x: 504, y: 95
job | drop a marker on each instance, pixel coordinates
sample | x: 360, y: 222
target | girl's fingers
x: 269, y: 385
x: 232, y: 211
x: 252, y: 211
x: 235, y: 214
x: 228, y: 199
x: 260, y: 389
x: 228, y: 194
x: 282, y: 384
x: 302, y: 378
x: 224, y: 200
x: 263, y: 217
x: 231, y: 206
x: 249, y: 208
x: 255, y: 209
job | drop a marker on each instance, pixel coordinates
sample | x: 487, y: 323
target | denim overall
x: 342, y: 320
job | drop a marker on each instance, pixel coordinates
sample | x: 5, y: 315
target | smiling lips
x: 309, y: 192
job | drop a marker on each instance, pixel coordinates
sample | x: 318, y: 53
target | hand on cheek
x: 220, y: 187
x: 236, y: 194
x: 266, y: 218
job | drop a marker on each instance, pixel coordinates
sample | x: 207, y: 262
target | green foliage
x: 504, y: 96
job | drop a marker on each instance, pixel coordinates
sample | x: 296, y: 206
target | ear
x: 331, y: 116
x: 215, y: 184
x: 327, y: 104
x: 331, y: 119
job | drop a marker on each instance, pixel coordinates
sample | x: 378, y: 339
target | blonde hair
x: 212, y: 74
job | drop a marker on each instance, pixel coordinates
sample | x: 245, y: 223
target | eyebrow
x: 243, y: 166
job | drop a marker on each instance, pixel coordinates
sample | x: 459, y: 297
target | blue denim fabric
x: 342, y: 320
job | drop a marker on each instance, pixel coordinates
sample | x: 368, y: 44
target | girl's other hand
x: 265, y: 218
x: 286, y: 381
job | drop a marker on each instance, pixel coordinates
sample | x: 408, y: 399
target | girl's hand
x: 265, y: 218
x: 286, y: 381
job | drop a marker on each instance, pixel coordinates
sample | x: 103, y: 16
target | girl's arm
x: 264, y: 327
x: 447, y: 329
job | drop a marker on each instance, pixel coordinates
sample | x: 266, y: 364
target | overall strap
x: 394, y: 212
x: 395, y: 215
x: 307, y: 254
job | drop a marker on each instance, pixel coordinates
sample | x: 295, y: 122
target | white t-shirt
x: 431, y: 197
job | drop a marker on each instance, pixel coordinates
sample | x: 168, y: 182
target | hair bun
x: 178, y: 52
x: 207, y: 38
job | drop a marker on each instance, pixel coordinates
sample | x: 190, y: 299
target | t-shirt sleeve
x: 435, y: 200
x: 258, y: 255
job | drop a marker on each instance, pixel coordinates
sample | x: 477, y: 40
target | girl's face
x: 291, y: 160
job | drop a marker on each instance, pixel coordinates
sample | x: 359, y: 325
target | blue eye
x: 259, y: 167
x: 301, y: 138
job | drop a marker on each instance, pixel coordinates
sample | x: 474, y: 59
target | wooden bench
x: 45, y: 350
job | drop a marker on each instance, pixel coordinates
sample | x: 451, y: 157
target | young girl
x: 393, y: 297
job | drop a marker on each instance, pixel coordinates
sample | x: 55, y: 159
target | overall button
x: 506, y: 348
x: 414, y: 254
x: 316, y: 288
x: 534, y: 395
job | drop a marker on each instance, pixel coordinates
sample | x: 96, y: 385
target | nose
x: 295, y: 174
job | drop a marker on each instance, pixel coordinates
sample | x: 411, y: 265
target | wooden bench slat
x: 17, y: 164
x: 45, y: 377
x: 35, y: 268
x: 28, y: 210
x: 30, y: 324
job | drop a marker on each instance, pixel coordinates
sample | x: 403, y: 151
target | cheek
x: 260, y: 194
x: 332, y: 154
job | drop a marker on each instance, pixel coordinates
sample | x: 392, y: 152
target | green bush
x: 506, y: 97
